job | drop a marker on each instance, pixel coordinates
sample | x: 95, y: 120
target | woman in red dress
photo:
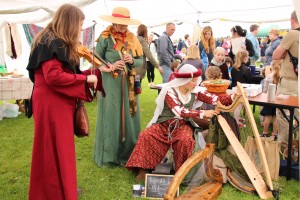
x: 170, y: 127
x: 58, y: 82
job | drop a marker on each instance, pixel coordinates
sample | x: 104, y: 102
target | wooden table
x: 290, y: 103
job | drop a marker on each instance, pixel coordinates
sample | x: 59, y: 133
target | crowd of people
x: 54, y: 68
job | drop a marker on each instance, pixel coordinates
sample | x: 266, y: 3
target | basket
x: 217, y: 86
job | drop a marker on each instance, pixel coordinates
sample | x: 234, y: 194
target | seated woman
x: 170, y: 127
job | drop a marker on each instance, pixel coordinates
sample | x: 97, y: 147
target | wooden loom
x: 211, y: 190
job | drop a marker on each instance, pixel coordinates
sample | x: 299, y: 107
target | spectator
x: 183, y: 53
x: 219, y: 61
x: 254, y: 28
x: 240, y: 73
x: 185, y: 43
x: 165, y: 51
x: 227, y: 45
x: 229, y: 64
x: 269, y: 112
x: 206, y: 46
x: 288, y: 83
x: 193, y: 58
x: 275, y: 41
x: 240, y: 42
x: 149, y: 60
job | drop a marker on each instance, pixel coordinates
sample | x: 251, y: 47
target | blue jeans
x: 167, y: 73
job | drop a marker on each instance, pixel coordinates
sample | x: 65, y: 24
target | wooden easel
x: 255, y: 177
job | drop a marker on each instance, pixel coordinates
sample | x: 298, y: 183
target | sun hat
x: 120, y: 15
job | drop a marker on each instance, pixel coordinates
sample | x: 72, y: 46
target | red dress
x: 53, y: 168
x: 153, y: 142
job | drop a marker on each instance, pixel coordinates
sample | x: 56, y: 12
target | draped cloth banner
x: 13, y: 41
x: 87, y: 35
x: 31, y: 30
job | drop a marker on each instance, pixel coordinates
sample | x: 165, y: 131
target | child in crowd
x: 269, y: 112
x: 240, y: 73
x: 183, y: 53
x: 193, y: 58
x: 219, y: 61
x: 229, y: 64
x: 213, y: 73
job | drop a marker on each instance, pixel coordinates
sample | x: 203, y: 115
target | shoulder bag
x: 81, y: 122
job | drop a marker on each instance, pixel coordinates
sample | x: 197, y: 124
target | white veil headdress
x: 185, y: 69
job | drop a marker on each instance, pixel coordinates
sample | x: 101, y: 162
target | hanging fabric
x: 13, y: 41
x: 87, y: 36
x: 31, y: 30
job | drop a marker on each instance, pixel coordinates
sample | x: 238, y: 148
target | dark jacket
x: 165, y: 51
x: 242, y: 75
x: 224, y: 70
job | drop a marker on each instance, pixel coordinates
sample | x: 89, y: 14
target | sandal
x: 275, y: 136
x: 264, y: 134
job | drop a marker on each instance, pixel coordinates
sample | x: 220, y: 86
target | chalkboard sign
x: 156, y: 185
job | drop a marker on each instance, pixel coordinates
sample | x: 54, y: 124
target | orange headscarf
x: 120, y: 39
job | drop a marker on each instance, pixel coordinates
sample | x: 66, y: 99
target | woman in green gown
x: 118, y: 120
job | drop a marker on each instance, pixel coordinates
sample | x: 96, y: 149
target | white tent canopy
x: 155, y: 12
x: 221, y: 15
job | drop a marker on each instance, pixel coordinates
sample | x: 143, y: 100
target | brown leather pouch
x: 81, y: 122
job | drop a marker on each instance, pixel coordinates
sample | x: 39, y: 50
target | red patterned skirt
x: 153, y: 144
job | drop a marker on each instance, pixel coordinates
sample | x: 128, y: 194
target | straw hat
x: 120, y: 15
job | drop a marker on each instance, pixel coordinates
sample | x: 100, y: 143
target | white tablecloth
x: 15, y: 88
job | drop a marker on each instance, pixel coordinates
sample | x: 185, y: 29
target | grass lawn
x: 98, y: 183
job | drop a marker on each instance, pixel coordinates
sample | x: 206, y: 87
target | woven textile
x: 31, y: 30
x: 87, y: 36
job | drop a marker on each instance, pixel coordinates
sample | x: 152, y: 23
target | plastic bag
x: 9, y: 110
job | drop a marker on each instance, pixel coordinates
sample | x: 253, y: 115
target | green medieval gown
x: 109, y: 148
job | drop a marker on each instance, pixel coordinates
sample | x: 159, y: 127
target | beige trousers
x: 287, y: 87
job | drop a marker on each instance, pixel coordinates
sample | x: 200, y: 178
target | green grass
x: 98, y: 183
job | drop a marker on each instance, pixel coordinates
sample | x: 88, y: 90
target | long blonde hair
x: 207, y: 44
x: 193, y: 52
x: 65, y: 25
x: 276, y: 70
x: 239, y: 58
